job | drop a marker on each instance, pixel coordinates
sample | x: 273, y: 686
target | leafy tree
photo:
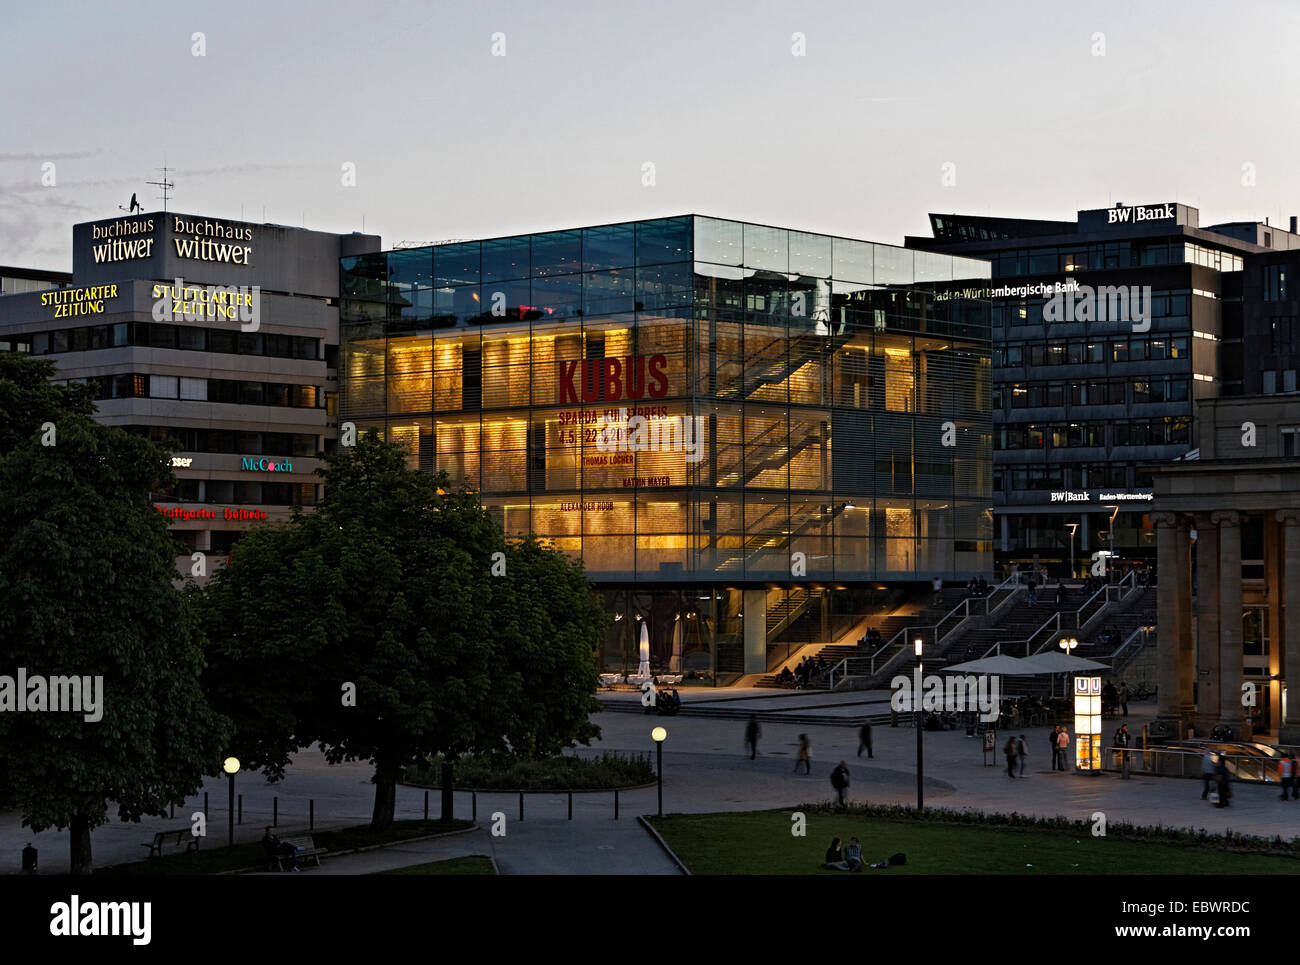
x: 87, y: 571
x: 386, y: 592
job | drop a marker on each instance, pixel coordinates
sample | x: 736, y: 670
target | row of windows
x: 1032, y: 395
x: 1275, y: 283
x: 1069, y: 435
x: 1161, y: 305
x: 232, y: 491
x: 153, y: 335
x: 1170, y: 430
x: 1084, y: 351
x: 188, y: 439
x: 1114, y: 254
x: 1104, y: 475
x: 136, y: 386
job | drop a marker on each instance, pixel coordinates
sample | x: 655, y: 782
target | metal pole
x: 521, y: 805
x: 205, y: 805
x: 241, y: 810
x: 426, y: 805
x: 616, y: 805
x: 311, y: 814
x: 659, y: 751
x: 920, y: 760
x: 275, y: 811
x: 230, y: 816
x: 473, y: 805
x: 570, y: 805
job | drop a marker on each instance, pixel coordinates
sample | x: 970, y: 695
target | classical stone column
x: 1207, y: 624
x: 1231, y: 713
x: 1289, y: 732
x: 1186, y: 646
x: 1169, y: 620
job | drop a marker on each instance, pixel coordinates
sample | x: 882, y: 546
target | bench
x: 307, y: 849
x: 178, y: 834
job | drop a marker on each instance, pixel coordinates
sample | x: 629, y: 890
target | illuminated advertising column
x: 1087, y: 723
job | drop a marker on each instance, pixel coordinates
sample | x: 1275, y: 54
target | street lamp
x: 1073, y: 528
x: 660, y: 735
x: 1067, y: 644
x: 231, y: 766
x: 920, y: 728
x: 1110, y: 561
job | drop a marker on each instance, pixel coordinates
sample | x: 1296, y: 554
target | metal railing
x: 1188, y: 762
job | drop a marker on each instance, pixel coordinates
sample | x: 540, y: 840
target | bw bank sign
x: 1132, y: 214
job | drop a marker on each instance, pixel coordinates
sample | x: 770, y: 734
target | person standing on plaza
x: 1051, y: 740
x: 1222, y: 779
x: 1062, y: 745
x: 752, y: 733
x: 1284, y: 775
x: 1123, y: 697
x: 1009, y: 749
x: 1022, y: 752
x: 840, y: 781
x: 805, y: 755
x: 864, y: 739
x: 1295, y: 776
x: 937, y: 587
x: 1207, y: 772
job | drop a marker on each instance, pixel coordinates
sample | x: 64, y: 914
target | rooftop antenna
x: 164, y: 183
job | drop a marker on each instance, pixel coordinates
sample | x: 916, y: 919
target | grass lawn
x: 470, y: 864
x: 212, y: 856
x: 760, y: 843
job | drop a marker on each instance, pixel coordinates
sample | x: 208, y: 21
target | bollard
x: 473, y: 804
x: 426, y: 805
x: 521, y: 805
x: 616, y: 805
x: 173, y: 809
x: 241, y: 809
x: 311, y: 814
x: 1124, y: 759
x: 275, y: 811
x: 570, y: 805
x: 29, y: 859
x: 205, y: 805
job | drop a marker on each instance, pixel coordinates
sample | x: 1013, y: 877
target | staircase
x: 915, y: 613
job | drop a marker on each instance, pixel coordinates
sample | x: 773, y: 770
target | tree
x: 87, y: 571
x: 385, y: 594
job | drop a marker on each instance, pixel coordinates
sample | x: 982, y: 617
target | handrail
x: 1055, y: 618
x: 1142, y: 630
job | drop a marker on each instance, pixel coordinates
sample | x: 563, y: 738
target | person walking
x: 752, y: 733
x: 1009, y: 749
x: 1221, y: 780
x: 1062, y: 745
x: 805, y: 755
x: 1120, y: 745
x: 1123, y: 697
x: 1022, y: 752
x: 1284, y: 776
x: 1051, y: 740
x: 840, y: 781
x: 937, y: 586
x: 1207, y: 772
x: 1295, y: 776
x: 864, y: 739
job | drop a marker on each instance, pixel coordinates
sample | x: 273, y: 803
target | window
x: 1270, y: 382
x: 1274, y: 283
x: 1289, y: 434
x: 1288, y: 380
x: 162, y: 387
x: 194, y: 389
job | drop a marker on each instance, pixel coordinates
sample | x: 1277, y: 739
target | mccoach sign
x: 259, y: 464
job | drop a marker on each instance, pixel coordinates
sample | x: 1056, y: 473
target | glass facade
x: 690, y: 402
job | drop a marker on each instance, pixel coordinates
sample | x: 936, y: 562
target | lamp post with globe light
x: 231, y: 766
x: 659, y: 735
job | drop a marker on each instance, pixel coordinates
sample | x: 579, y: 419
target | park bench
x: 178, y: 834
x: 307, y: 849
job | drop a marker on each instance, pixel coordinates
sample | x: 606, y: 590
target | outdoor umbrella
x: 999, y: 664
x: 1050, y: 661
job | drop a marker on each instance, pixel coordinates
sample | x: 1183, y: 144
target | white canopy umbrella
x: 1050, y: 661
x: 999, y: 664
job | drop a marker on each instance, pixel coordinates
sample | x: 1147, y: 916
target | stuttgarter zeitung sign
x: 1101, y: 497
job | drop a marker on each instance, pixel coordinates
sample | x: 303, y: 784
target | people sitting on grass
x: 853, y: 855
x: 835, y: 857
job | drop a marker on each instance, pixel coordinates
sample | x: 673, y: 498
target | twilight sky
x: 1192, y: 101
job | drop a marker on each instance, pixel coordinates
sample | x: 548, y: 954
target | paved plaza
x: 706, y: 769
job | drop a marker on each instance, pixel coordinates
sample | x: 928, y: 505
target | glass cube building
x: 747, y: 434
